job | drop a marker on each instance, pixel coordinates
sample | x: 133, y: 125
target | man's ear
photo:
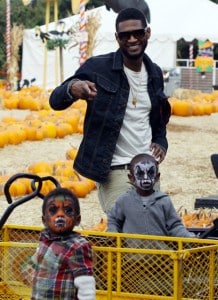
x: 158, y: 176
x: 116, y: 36
x: 148, y: 32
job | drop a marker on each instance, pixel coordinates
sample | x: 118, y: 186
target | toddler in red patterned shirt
x: 63, y: 262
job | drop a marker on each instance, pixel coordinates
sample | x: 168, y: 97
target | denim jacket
x: 105, y: 114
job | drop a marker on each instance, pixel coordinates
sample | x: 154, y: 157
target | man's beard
x: 133, y: 56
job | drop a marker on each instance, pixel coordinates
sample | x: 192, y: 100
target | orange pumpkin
x: 49, y: 129
x: 40, y: 133
x: 71, y: 153
x: 41, y: 167
x: 101, y: 226
x: 197, y: 109
x: 18, y: 188
x: 79, y: 188
x: 66, y: 172
x: 11, y: 103
x: 63, y: 129
x: 3, y: 138
x: 182, y: 108
x: 31, y: 132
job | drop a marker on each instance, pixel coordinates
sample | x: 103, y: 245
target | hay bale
x: 92, y: 26
x: 185, y: 93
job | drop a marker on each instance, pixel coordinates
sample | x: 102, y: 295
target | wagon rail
x: 127, y: 266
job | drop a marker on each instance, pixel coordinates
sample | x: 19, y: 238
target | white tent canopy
x: 171, y: 20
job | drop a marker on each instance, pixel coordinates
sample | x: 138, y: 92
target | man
x: 127, y: 111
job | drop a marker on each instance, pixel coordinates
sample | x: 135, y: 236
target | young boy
x: 63, y: 263
x: 142, y: 210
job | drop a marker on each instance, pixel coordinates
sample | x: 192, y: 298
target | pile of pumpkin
x: 42, y: 124
x: 195, y: 105
x: 201, y: 218
x: 31, y: 98
x: 34, y: 98
x: 61, y: 170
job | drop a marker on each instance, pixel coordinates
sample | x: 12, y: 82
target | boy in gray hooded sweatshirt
x: 142, y: 210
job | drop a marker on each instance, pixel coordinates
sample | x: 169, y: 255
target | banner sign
x: 204, y: 60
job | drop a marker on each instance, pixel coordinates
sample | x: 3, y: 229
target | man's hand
x: 83, y: 90
x: 158, y: 152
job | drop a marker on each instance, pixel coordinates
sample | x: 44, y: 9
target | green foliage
x: 55, y: 43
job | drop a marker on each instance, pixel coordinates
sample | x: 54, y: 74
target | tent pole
x: 47, y: 18
x: 57, y: 50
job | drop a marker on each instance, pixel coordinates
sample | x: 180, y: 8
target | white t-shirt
x: 135, y: 135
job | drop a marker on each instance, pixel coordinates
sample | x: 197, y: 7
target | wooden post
x: 57, y: 50
x: 57, y: 54
x: 47, y: 19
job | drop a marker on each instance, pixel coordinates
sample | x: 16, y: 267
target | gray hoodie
x: 156, y: 217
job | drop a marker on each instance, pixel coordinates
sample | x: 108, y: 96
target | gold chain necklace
x: 135, y: 95
x: 134, y: 101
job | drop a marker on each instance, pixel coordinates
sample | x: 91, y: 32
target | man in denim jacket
x: 127, y: 110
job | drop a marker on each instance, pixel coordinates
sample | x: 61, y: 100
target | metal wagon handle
x: 13, y: 178
x: 26, y: 198
x: 45, y: 178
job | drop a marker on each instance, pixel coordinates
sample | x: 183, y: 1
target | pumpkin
x: 197, y: 109
x: 198, y: 218
x: 63, y: 129
x: 71, y: 153
x: 11, y: 103
x: 49, y: 129
x: 182, y: 108
x: 47, y: 185
x: 40, y: 133
x: 16, y: 135
x: 79, y: 188
x: 66, y: 171
x: 100, y: 226
x: 18, y: 188
x: 31, y: 132
x: 72, y: 117
x: 3, y: 138
x: 41, y: 167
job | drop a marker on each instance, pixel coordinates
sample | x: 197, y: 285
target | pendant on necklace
x: 134, y: 101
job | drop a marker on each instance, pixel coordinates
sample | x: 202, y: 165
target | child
x: 63, y: 263
x: 142, y: 210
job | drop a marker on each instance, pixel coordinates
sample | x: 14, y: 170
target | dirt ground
x: 186, y: 173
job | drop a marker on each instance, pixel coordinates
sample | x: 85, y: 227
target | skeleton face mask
x: 145, y: 173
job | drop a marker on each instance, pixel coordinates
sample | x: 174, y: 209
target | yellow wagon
x: 127, y: 266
